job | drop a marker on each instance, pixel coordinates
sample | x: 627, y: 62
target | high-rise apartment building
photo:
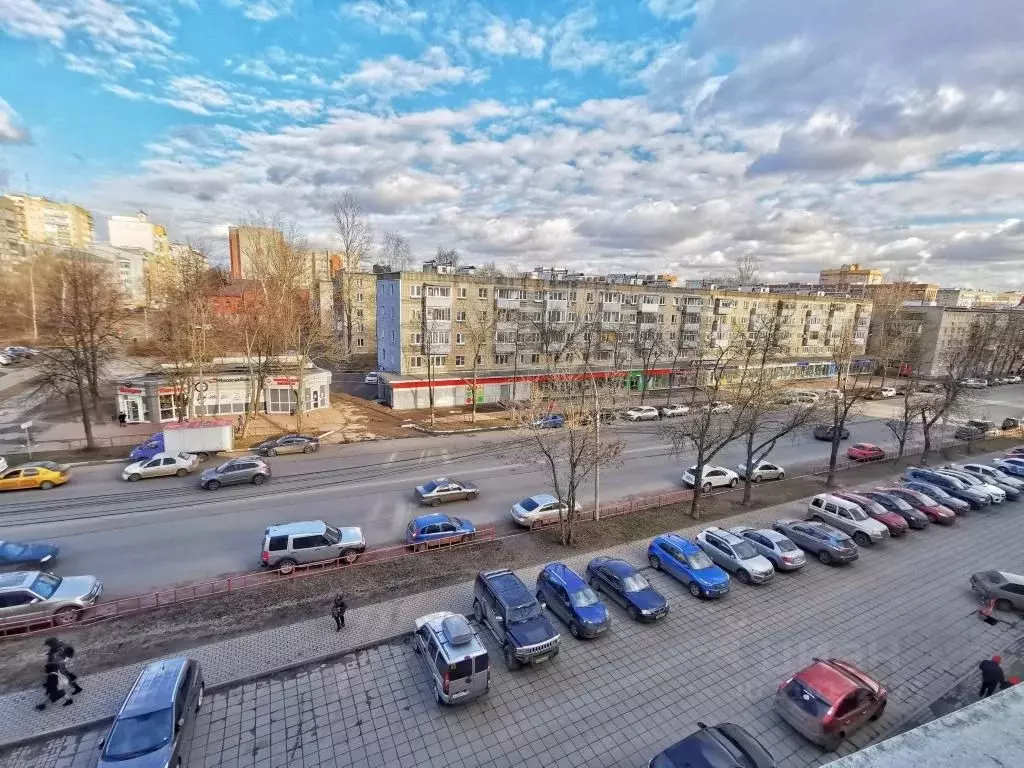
x: 851, y: 274
x: 138, y: 232
x: 431, y: 327
x: 45, y: 221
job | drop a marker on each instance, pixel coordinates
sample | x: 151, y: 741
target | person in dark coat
x: 122, y: 418
x: 992, y: 676
x: 54, y: 687
x: 60, y: 653
x: 338, y: 612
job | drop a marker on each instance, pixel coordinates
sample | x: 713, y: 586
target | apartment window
x: 460, y: 339
x: 415, y: 291
x: 416, y: 315
x: 502, y: 359
x: 439, y: 361
x: 556, y: 316
x: 673, y: 319
x: 573, y: 317
x: 479, y: 359
x: 462, y: 295
x: 604, y: 356
x: 460, y: 360
x: 590, y: 298
x: 360, y: 342
x: 416, y: 362
x: 359, y: 314
x: 416, y: 338
x: 460, y: 317
x: 572, y: 295
x: 443, y: 314
x: 535, y: 358
x: 672, y: 336
x: 661, y: 300
x: 439, y: 291
x: 661, y: 319
x: 439, y: 337
x: 556, y: 295
x: 588, y: 317
x: 481, y: 293
x: 359, y: 297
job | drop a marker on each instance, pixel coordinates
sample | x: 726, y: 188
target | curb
x: 449, y: 432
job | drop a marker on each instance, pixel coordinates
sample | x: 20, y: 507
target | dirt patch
x: 169, y: 630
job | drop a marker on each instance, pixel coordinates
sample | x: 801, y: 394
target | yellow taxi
x: 34, y: 474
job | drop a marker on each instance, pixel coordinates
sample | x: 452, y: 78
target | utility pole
x: 597, y: 452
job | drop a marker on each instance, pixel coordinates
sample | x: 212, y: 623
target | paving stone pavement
x: 903, y: 611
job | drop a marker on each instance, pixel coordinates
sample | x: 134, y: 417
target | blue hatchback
x: 436, y: 529
x: 571, y: 600
x: 551, y: 421
x: 626, y: 586
x: 688, y: 563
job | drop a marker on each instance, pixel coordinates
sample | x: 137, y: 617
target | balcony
x: 691, y: 327
x: 437, y: 348
x: 611, y: 306
x: 437, y: 301
x: 556, y: 305
x: 502, y: 347
x: 507, y: 303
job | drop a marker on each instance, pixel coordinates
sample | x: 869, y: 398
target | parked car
x: 1012, y: 486
x: 715, y: 746
x: 967, y: 432
x: 568, y: 596
x: 736, y: 555
x: 826, y: 431
x: 541, y: 509
x: 929, y: 388
x: 828, y: 544
x: 711, y: 477
x: 671, y: 410
x: 445, y: 489
x: 915, y: 518
x: 25, y: 555
x: 35, y: 595
x: 5, y: 360
x: 43, y: 475
x: 888, y: 391
x: 953, y: 486
x: 1017, y: 450
x: 809, y: 398
x: 763, y: 470
x: 642, y: 413
x: 896, y: 525
x: 974, y: 383
x: 829, y: 701
x: 503, y: 604
x: 984, y: 426
x: 938, y: 494
x: 625, y: 585
x: 1012, y: 422
x: 551, y: 421
x: 289, y: 444
x: 161, y: 465
x: 1011, y: 465
x: 996, y: 495
x: 425, y: 530
x: 785, y: 400
x: 717, y: 406
x: 287, y: 545
x: 688, y: 564
x: 1007, y: 589
x: 371, y: 378
x: 243, y: 469
x: 832, y: 394
x: 865, y: 452
x: 19, y: 353
x: 453, y: 657
x: 932, y: 509
x: 155, y: 723
x: 782, y: 553
x: 847, y: 517
x: 1013, y: 379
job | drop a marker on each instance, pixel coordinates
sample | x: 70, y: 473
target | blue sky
x: 634, y: 135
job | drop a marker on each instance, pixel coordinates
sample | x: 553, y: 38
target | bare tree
x: 396, y: 252
x: 448, y: 257
x: 356, y: 239
x: 649, y: 345
x: 747, y: 269
x: 479, y: 331
x: 849, y: 389
x: 573, y: 452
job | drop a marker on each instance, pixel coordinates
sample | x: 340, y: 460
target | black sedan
x: 288, y: 444
x: 825, y: 432
x: 27, y: 556
x: 915, y: 518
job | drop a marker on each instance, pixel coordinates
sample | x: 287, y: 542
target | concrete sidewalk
x: 263, y: 653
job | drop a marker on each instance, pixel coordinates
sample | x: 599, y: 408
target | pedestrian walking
x: 992, y: 676
x: 55, y: 687
x: 122, y: 418
x: 338, y: 612
x: 660, y: 414
x: 60, y: 653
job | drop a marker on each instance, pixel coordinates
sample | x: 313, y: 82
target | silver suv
x: 244, y: 469
x: 735, y: 554
x: 26, y: 595
x: 287, y: 545
x: 454, y: 657
x: 782, y: 553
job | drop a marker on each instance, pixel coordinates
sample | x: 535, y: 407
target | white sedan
x: 717, y: 406
x: 371, y: 378
x: 642, y: 413
x: 674, y: 410
x: 974, y: 383
x: 161, y: 465
x: 713, y: 477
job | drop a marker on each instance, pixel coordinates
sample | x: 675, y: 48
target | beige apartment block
x: 46, y: 221
x: 10, y: 233
x: 434, y: 329
x: 355, y: 310
x: 968, y: 298
x: 851, y: 274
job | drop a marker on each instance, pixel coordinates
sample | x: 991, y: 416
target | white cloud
x: 262, y: 10
x: 11, y: 131
x: 27, y: 18
x: 394, y: 75
x: 387, y: 16
x: 574, y: 49
x: 504, y: 39
x: 673, y: 9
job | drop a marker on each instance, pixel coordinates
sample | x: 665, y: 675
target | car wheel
x: 419, y: 548
x: 258, y: 479
x: 435, y: 502
x: 511, y: 662
x: 862, y: 539
x: 756, y: 478
x: 478, y: 612
x: 732, y: 483
x: 199, y: 699
x: 308, y: 449
x: 535, y: 524
x: 466, y: 538
x: 472, y: 496
x: 781, y: 476
x: 181, y: 472
x: 271, y: 452
x: 706, y: 487
x: 574, y: 629
x: 695, y: 589
x: 655, y: 562
x: 1003, y: 604
x: 212, y: 485
x: 46, y: 485
x: 286, y: 566
x: 743, y: 576
x: 825, y: 557
x: 134, y: 477
x: 633, y: 613
x: 348, y: 557
x: 67, y: 615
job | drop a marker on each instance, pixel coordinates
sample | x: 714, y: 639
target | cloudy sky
x: 653, y: 135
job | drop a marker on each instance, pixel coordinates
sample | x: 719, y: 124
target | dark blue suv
x: 688, y: 563
x: 571, y: 600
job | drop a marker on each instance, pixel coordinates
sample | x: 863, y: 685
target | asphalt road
x: 144, y: 536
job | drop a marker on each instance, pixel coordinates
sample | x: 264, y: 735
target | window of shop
x: 281, y: 400
x: 315, y: 397
x: 167, y: 410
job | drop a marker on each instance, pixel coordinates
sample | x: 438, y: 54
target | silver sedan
x: 443, y: 490
x: 161, y: 465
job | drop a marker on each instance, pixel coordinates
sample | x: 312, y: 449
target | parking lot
x: 903, y: 612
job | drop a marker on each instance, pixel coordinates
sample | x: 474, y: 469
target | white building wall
x: 389, y: 325
x: 132, y: 232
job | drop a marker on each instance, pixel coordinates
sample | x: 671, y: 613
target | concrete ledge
x: 448, y: 432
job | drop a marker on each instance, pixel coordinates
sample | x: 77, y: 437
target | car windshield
x: 785, y: 545
x: 584, y: 598
x: 699, y: 561
x: 528, y: 504
x: 11, y: 549
x: 634, y: 583
x: 45, y: 585
x: 522, y: 613
x: 134, y: 736
x: 744, y: 550
x: 429, y: 487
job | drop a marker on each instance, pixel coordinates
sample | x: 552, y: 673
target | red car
x: 895, y: 523
x: 830, y: 700
x: 936, y: 512
x: 865, y: 452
